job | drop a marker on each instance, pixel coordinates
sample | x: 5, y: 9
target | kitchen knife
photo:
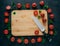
x: 40, y: 26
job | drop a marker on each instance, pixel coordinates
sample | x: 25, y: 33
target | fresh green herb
x: 43, y: 41
x: 39, y: 11
x: 8, y: 36
x: 50, y: 21
x: 9, y: 28
x: 55, y: 33
x: 38, y: 17
x: 45, y: 6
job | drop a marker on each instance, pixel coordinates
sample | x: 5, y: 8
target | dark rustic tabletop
x: 53, y: 4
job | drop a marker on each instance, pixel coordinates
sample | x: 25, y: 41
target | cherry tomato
x: 8, y: 7
x: 51, y: 32
x: 33, y: 40
x: 44, y: 20
x: 6, y: 20
x: 5, y: 32
x: 39, y: 39
x: 51, y: 26
x: 42, y: 15
x: 49, y: 10
x: 6, y: 14
x: 36, y: 32
x: 19, y: 40
x: 42, y: 3
x: 19, y: 5
x: 12, y: 39
x: 52, y: 16
x: 27, y: 5
x: 35, y: 13
x: 26, y: 41
x: 34, y: 5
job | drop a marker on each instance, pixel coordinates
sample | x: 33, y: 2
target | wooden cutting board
x: 22, y: 23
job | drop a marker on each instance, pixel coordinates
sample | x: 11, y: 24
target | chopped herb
x: 39, y: 11
x: 38, y: 17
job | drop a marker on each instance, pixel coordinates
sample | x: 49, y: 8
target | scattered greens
x: 38, y: 17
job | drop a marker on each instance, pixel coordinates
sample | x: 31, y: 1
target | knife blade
x: 40, y: 26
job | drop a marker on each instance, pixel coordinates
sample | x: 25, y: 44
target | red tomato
x: 35, y: 13
x: 42, y: 15
x: 34, y: 5
x: 6, y: 14
x: 8, y: 7
x: 33, y: 40
x: 42, y: 3
x: 19, y: 40
x: 27, y: 5
x: 49, y: 10
x: 19, y: 5
x: 26, y: 41
x: 52, y: 16
x: 6, y: 20
x: 51, y: 32
x: 51, y: 26
x: 39, y: 39
x: 5, y: 31
x: 12, y: 39
x: 44, y: 20
x: 36, y: 32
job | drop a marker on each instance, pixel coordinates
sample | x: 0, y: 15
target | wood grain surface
x: 22, y: 23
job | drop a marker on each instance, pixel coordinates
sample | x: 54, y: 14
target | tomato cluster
x: 27, y: 5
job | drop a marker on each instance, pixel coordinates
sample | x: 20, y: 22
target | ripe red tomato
x: 26, y: 41
x: 34, y: 5
x: 33, y: 40
x: 27, y: 5
x: 6, y: 20
x: 39, y: 39
x: 49, y: 10
x: 6, y: 14
x: 44, y: 20
x: 19, y: 5
x: 51, y: 26
x: 42, y: 15
x: 36, y: 32
x: 8, y: 7
x: 19, y: 40
x: 51, y: 16
x: 12, y: 39
x: 41, y: 3
x: 5, y: 32
x: 35, y: 13
x: 51, y: 32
